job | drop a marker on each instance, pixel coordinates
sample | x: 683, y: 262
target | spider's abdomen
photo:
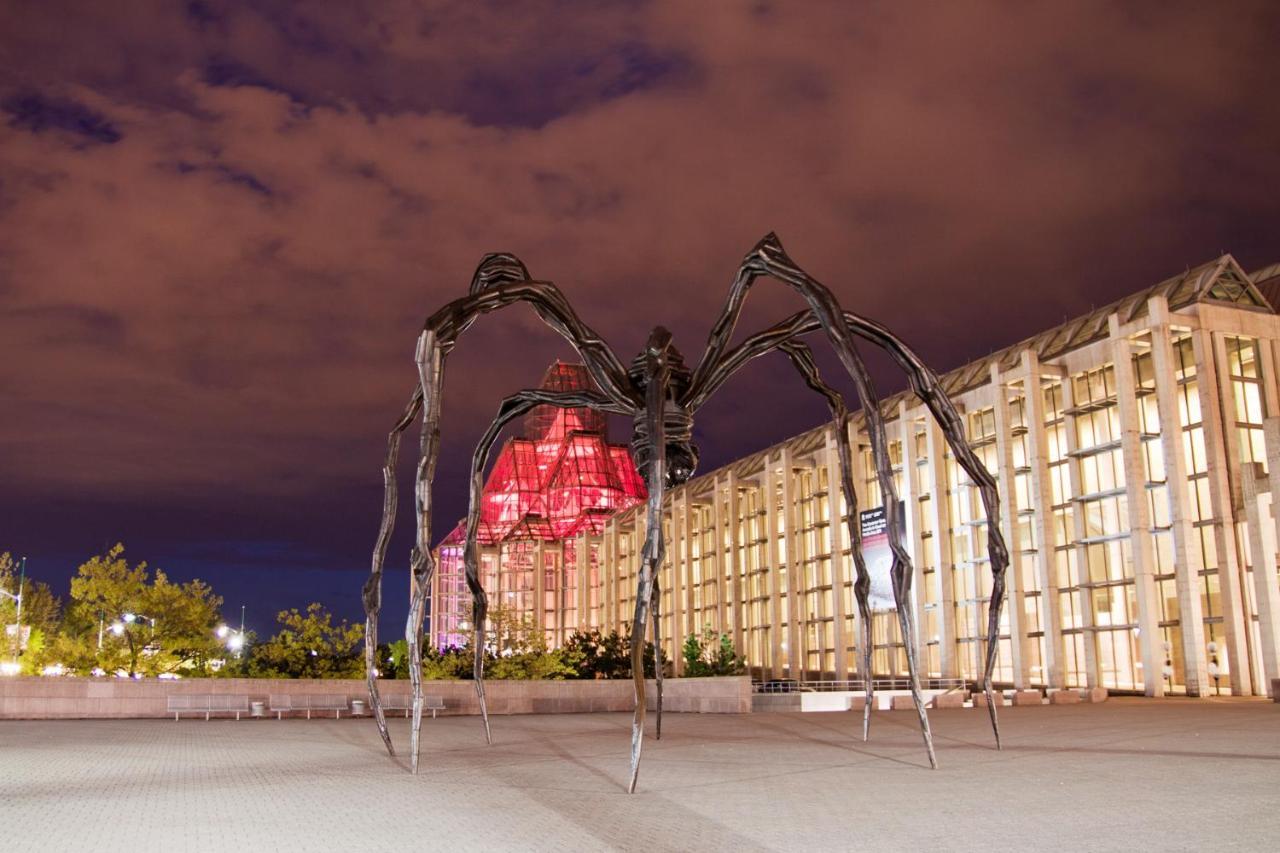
x: 681, y: 452
x: 661, y: 359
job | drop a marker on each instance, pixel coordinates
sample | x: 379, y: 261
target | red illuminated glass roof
x: 561, y: 478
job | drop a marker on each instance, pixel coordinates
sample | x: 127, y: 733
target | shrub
x: 712, y: 654
x: 607, y: 655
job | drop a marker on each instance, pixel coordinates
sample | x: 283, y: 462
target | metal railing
x: 856, y: 685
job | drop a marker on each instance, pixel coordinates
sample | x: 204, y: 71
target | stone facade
x: 100, y: 698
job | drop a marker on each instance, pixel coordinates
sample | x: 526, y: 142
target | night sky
x: 223, y: 223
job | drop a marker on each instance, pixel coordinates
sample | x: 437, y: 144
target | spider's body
x: 662, y: 395
x: 679, y: 452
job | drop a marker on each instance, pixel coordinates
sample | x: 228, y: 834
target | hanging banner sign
x: 878, y: 555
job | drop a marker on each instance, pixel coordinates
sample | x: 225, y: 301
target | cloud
x: 33, y: 112
x: 221, y: 224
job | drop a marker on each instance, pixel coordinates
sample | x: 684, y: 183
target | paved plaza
x: 1125, y: 775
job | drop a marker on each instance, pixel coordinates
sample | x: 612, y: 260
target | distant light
x: 314, y: 653
x: 222, y: 632
x: 98, y: 671
x: 129, y: 617
x: 236, y: 643
x: 117, y: 628
x: 10, y: 667
x: 53, y: 669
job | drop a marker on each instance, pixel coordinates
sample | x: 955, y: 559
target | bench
x: 280, y: 704
x: 404, y: 702
x: 206, y: 703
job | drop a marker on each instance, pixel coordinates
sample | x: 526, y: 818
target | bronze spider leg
x: 802, y: 357
x: 372, y: 593
x: 927, y: 388
x: 422, y: 564
x: 511, y: 408
x: 656, y: 606
x: 657, y: 376
x: 769, y: 258
x: 500, y: 280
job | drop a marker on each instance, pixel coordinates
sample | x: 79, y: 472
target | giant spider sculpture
x: 661, y: 395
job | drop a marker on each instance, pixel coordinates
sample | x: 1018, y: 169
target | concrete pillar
x: 718, y: 563
x: 795, y: 650
x: 539, y: 589
x: 940, y: 546
x: 690, y: 578
x: 676, y: 580
x: 582, y: 558
x: 909, y: 492
x: 1140, y: 544
x: 776, y: 638
x: 1265, y: 585
x: 433, y: 622
x: 1187, y: 559
x: 1262, y: 547
x: 835, y: 517
x: 861, y: 489
x: 1082, y: 561
x: 1268, y: 593
x: 1042, y: 521
x: 1216, y: 412
x: 735, y: 561
x: 609, y: 587
x: 608, y: 569
x: 1015, y: 606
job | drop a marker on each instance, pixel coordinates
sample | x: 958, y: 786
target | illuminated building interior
x: 549, y: 491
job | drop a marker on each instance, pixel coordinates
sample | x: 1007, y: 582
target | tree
x: 608, y: 655
x: 519, y: 649
x: 456, y: 663
x: 713, y: 654
x: 123, y: 619
x: 236, y: 662
x: 393, y: 659
x: 310, y: 646
x: 41, y: 613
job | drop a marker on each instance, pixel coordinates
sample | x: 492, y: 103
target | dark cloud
x: 38, y: 114
x: 222, y: 223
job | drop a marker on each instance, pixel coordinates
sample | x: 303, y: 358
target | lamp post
x: 235, y: 640
x: 12, y: 669
x: 119, y: 627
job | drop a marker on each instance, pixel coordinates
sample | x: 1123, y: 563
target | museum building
x: 1136, y: 449
x: 542, y: 511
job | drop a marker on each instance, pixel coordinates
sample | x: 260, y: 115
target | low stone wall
x: 94, y: 698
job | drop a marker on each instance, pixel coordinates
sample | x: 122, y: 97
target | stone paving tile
x: 1124, y: 775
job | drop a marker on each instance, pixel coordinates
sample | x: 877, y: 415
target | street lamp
x: 1215, y: 671
x: 14, y: 668
x: 235, y: 640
